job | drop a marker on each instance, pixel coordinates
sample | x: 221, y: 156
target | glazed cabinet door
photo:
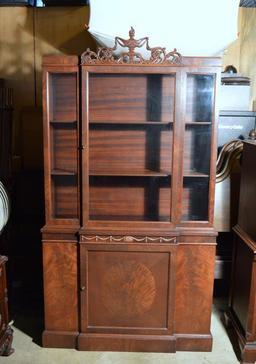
x: 199, y: 151
x: 61, y: 134
x: 127, y: 289
x: 128, y: 128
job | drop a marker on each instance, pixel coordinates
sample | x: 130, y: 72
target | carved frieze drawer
x: 127, y: 239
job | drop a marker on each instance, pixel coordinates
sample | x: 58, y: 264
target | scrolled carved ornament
x: 104, y: 55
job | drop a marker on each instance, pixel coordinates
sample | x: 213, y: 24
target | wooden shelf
x: 193, y: 174
x: 198, y: 123
x: 130, y: 122
x: 145, y: 173
x: 62, y: 122
x: 59, y: 172
x: 128, y: 173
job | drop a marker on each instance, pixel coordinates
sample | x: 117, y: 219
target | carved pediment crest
x: 104, y: 55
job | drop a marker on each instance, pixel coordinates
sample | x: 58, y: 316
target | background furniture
x: 129, y: 243
x: 241, y: 315
x: 233, y: 126
x: 6, y: 112
x: 6, y: 177
x: 5, y: 330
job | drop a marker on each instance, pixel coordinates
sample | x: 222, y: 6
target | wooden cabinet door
x: 129, y: 126
x: 127, y: 288
x: 61, y: 145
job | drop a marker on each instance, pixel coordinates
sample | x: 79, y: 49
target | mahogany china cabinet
x: 129, y: 244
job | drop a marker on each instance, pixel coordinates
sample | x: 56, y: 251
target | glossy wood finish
x: 242, y: 306
x: 60, y: 286
x: 134, y: 291
x: 133, y: 97
x: 141, y: 254
x: 247, y: 201
x: 194, y: 286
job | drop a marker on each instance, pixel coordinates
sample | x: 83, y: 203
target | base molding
x: 247, y: 350
x: 60, y: 339
x: 125, y: 342
x: 120, y: 342
x: 193, y: 342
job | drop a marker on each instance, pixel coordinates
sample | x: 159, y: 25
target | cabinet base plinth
x: 194, y: 342
x: 60, y: 339
x: 137, y: 343
x: 144, y: 343
x: 246, y: 350
x: 130, y: 343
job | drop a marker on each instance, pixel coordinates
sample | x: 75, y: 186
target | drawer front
x: 127, y: 288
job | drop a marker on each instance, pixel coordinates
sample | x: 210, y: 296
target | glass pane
x: 130, y: 147
x: 64, y: 145
x: 62, y: 96
x: 200, y: 91
x: 64, y: 197
x: 197, y: 147
x: 64, y: 148
x: 130, y: 198
x: 195, y: 199
x: 132, y: 97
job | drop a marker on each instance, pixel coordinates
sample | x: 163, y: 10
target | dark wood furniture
x: 6, y: 112
x: 129, y: 242
x: 233, y: 125
x: 6, y: 332
x: 242, y: 305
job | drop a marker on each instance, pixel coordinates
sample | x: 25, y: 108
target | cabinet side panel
x: 194, y: 286
x: 247, y: 200
x: 60, y: 286
x: 242, y: 276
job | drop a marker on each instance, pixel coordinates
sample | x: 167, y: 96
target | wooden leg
x: 6, y: 348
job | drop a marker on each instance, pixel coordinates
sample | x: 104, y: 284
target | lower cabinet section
x: 129, y: 296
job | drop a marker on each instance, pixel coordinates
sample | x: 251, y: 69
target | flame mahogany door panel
x: 126, y: 289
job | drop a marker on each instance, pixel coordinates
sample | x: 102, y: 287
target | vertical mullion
x: 85, y: 145
x: 178, y: 133
x: 214, y: 130
x: 47, y: 146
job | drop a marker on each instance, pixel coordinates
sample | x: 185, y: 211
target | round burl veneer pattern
x: 129, y: 288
